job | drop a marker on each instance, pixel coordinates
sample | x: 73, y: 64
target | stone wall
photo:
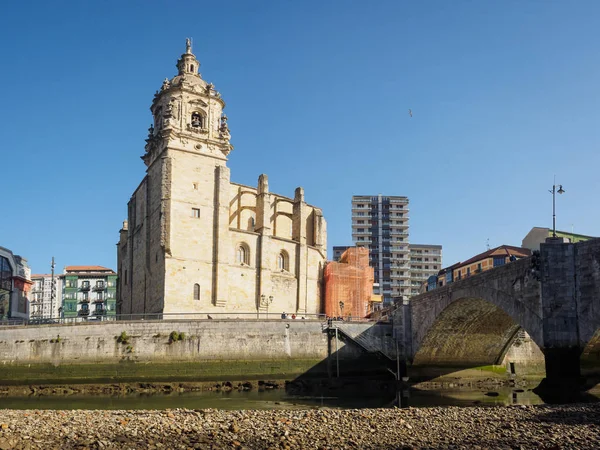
x: 210, y: 349
x: 524, y: 355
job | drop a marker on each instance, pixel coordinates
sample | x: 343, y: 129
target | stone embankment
x: 550, y: 427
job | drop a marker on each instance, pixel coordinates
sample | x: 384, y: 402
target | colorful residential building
x: 487, y: 260
x: 89, y: 292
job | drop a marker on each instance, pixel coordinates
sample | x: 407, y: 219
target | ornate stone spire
x: 188, y: 64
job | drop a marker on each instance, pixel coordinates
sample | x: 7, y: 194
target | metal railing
x: 93, y: 318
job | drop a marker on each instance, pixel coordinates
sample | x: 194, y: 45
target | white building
x: 425, y: 261
x: 45, y: 300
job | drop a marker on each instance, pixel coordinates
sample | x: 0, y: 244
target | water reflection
x: 279, y: 399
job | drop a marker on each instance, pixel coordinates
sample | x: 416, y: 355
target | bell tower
x: 188, y: 115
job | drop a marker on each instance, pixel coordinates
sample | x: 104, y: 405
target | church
x: 196, y: 242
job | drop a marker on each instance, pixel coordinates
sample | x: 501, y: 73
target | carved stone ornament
x: 166, y: 85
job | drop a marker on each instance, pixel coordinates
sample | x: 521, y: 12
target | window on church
x: 243, y: 255
x: 191, y: 68
x: 196, y: 291
x: 283, y: 261
x: 196, y: 213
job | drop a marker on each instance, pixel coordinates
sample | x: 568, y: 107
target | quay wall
x: 210, y: 350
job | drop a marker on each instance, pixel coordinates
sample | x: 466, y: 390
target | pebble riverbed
x: 574, y: 426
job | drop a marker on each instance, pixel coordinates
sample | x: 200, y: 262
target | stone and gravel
x: 574, y: 426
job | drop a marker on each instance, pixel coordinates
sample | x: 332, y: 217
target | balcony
x: 85, y: 287
x: 98, y: 300
x: 83, y: 312
x: 99, y: 312
x: 99, y: 287
x: 84, y: 301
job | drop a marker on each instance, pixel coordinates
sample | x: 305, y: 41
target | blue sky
x: 504, y: 95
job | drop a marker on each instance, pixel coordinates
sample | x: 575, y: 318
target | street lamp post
x: 266, y: 301
x: 553, y: 192
x: 341, y: 309
x: 52, y: 291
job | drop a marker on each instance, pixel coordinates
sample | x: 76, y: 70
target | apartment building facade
x: 45, y: 301
x: 88, y: 292
x: 425, y: 261
x: 380, y: 223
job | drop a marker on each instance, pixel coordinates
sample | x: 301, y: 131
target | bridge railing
x: 185, y: 316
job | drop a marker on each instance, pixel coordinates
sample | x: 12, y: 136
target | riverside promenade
x: 575, y: 426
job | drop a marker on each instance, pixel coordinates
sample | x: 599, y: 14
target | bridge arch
x: 476, y: 319
x: 469, y: 332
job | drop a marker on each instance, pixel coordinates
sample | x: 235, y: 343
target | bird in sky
x: 410, y: 112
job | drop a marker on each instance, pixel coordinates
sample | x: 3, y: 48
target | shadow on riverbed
x: 355, y: 370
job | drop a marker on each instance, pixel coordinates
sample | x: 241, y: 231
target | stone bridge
x: 554, y: 296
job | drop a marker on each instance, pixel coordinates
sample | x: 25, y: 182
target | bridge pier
x: 561, y: 312
x: 562, y: 364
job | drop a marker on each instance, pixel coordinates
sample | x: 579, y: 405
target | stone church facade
x: 194, y: 241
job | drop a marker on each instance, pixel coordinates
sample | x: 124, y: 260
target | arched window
x: 243, y: 255
x: 197, y: 120
x: 191, y: 67
x: 196, y: 291
x: 283, y: 261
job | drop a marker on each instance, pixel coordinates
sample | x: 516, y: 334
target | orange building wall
x: 349, y: 281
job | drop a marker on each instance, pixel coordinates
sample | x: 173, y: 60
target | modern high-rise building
x: 425, y: 261
x: 44, y: 300
x: 380, y: 223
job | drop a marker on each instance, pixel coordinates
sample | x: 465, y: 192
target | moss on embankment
x: 127, y: 371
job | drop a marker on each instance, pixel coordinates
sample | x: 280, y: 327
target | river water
x: 279, y: 399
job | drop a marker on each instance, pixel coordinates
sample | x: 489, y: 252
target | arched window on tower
x: 191, y: 67
x: 197, y: 120
x: 243, y: 254
x: 283, y: 261
x: 196, y: 291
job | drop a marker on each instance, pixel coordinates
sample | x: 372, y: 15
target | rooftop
x: 76, y: 269
x: 508, y: 249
